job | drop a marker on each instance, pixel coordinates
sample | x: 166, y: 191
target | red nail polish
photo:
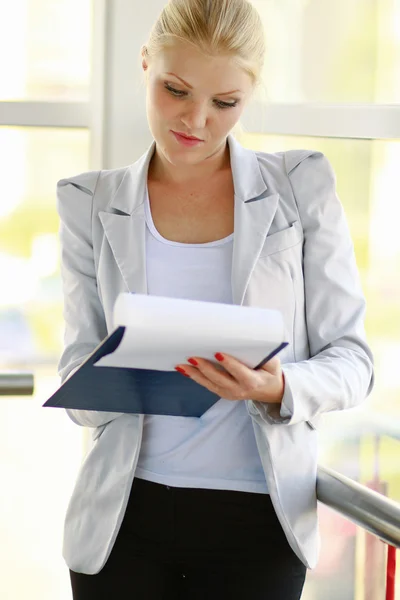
x: 181, y: 371
x: 219, y: 356
x: 193, y: 362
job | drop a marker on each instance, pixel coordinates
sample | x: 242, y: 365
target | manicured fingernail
x: 219, y: 356
x: 181, y: 371
x: 193, y: 362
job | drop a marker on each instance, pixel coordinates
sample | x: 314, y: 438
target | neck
x: 161, y: 170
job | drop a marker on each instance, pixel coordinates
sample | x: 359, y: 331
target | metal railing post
x: 16, y: 384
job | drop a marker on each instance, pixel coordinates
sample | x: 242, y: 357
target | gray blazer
x: 292, y: 251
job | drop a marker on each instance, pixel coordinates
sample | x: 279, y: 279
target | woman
x: 223, y: 506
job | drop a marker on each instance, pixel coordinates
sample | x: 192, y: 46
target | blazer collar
x: 130, y: 193
x: 255, y: 208
x: 248, y: 182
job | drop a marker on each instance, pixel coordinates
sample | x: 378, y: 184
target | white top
x: 218, y: 450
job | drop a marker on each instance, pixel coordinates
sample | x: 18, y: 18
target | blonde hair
x: 228, y: 27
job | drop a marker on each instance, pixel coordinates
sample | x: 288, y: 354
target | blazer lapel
x: 126, y: 236
x: 125, y: 227
x: 255, y: 208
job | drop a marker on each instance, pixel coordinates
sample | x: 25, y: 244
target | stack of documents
x: 133, y: 369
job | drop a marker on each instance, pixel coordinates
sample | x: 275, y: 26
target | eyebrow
x: 191, y: 87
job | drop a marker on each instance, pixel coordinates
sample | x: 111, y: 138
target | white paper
x: 164, y: 332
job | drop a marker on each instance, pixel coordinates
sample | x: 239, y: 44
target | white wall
x: 126, y: 134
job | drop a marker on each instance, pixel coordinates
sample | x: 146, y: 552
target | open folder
x: 133, y: 369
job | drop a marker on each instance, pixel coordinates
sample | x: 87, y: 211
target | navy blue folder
x: 141, y: 391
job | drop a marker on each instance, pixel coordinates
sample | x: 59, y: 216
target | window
x: 45, y: 61
x: 45, y: 50
x: 33, y: 160
x: 334, y: 52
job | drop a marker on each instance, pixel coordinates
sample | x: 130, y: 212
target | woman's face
x: 195, y: 95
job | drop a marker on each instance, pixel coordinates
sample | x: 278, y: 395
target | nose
x: 194, y: 117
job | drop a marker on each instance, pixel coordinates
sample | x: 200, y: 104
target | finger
x: 247, y: 378
x: 215, y: 373
x: 201, y: 379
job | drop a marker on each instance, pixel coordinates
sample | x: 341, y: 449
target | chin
x: 187, y: 156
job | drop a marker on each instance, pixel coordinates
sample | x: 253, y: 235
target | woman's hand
x: 235, y: 381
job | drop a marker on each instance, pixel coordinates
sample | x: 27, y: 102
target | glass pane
x: 352, y: 564
x: 33, y: 160
x: 45, y: 49
x: 40, y: 449
x: 324, y: 51
x: 362, y: 443
x: 40, y: 454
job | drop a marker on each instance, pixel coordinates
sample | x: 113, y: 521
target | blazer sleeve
x: 84, y: 319
x: 339, y: 373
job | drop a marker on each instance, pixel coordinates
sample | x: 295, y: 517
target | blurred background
x: 72, y: 99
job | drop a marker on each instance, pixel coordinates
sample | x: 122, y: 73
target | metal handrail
x: 16, y: 384
x: 374, y: 512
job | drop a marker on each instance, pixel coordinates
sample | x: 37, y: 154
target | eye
x: 180, y: 93
x: 221, y: 104
x: 173, y: 91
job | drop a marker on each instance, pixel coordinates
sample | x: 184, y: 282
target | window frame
x: 58, y: 114
x: 351, y: 121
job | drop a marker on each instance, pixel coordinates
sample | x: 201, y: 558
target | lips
x: 187, y: 137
